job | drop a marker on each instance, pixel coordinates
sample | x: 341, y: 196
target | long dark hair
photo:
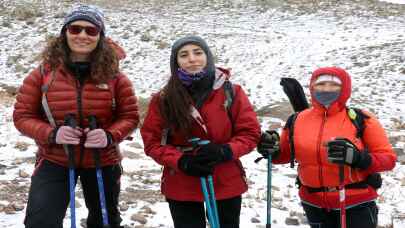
x: 175, y: 99
x: 103, y: 59
x: 175, y: 106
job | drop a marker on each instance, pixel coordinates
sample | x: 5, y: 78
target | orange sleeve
x: 376, y: 141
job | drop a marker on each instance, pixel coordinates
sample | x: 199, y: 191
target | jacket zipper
x: 319, y: 153
x: 79, y: 90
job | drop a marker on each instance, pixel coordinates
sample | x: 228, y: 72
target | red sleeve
x: 246, y: 128
x: 151, y: 132
x: 127, y: 117
x: 27, y: 115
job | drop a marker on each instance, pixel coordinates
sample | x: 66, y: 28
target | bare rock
x: 23, y: 174
x: 146, y: 37
x: 13, y: 207
x: 148, y: 210
x: 124, y: 207
x: 292, y: 221
x: 255, y: 220
x: 135, y: 145
x: 18, y: 206
x: 139, y: 218
x: 401, y: 159
x: 281, y: 110
x: 22, y: 146
x: 131, y: 155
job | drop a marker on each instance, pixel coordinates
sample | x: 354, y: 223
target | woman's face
x: 327, y: 87
x: 82, y: 38
x: 191, y: 58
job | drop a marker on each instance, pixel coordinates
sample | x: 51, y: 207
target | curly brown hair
x: 103, y: 60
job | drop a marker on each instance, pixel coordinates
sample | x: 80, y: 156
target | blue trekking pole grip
x: 96, y: 155
x: 70, y: 121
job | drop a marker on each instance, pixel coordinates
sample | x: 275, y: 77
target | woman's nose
x: 191, y: 57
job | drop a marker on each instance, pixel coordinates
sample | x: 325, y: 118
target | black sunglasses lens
x: 77, y: 29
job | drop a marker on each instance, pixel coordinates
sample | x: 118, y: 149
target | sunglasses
x: 77, y: 29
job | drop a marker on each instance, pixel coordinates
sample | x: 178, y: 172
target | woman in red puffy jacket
x: 193, y: 105
x: 327, y: 145
x: 81, y: 78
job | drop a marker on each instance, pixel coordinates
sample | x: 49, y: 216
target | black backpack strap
x: 290, y: 126
x: 357, y: 117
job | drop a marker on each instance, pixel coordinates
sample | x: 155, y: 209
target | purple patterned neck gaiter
x: 187, y: 78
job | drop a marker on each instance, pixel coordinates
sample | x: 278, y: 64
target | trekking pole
x: 342, y: 196
x: 70, y: 121
x: 208, y: 192
x: 96, y: 155
x: 269, y: 170
x: 213, y: 200
x: 211, y: 215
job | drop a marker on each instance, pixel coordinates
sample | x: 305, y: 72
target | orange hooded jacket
x: 317, y: 125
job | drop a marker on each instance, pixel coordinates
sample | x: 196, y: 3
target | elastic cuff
x: 110, y: 139
x: 52, y: 136
x: 364, y: 161
x: 227, y: 152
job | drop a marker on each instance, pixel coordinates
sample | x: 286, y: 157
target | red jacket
x: 65, y: 96
x: 229, y: 177
x: 316, y: 126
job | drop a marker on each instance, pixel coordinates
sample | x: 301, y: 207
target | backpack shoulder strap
x: 229, y: 95
x: 357, y: 117
x: 47, y: 79
x: 290, y: 126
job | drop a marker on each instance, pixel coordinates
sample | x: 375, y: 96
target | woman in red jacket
x: 81, y: 77
x: 325, y: 142
x: 193, y: 105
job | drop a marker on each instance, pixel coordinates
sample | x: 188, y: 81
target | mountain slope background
x: 261, y: 41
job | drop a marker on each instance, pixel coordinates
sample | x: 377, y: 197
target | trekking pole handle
x: 70, y: 120
x: 92, y: 122
x: 93, y: 125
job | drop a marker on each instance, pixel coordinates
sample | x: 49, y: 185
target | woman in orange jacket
x: 81, y: 73
x: 325, y: 140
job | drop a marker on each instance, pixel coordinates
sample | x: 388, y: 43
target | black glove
x: 216, y: 153
x: 342, y: 151
x: 198, y: 166
x: 269, y: 144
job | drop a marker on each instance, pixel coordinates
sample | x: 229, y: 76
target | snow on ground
x: 261, y: 42
x: 395, y: 1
